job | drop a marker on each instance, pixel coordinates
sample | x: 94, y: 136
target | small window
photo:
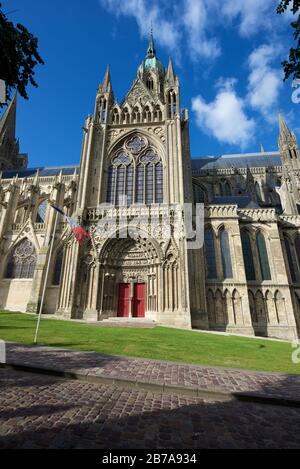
x: 41, y: 213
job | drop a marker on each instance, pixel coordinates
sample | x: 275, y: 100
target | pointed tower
x: 94, y: 137
x: 288, y: 145
x: 104, y: 98
x: 290, y: 155
x: 9, y: 145
x: 170, y: 76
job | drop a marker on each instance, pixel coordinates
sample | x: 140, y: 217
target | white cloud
x: 196, y: 23
x: 193, y: 26
x: 144, y: 12
x: 175, y: 23
x: 225, y: 117
x: 265, y: 82
x: 253, y: 15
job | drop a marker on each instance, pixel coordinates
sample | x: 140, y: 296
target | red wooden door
x: 124, y: 300
x: 139, y: 300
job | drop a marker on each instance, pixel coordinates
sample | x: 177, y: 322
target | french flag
x: 80, y: 233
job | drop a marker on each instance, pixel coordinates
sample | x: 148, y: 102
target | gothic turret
x: 105, y: 98
x: 288, y: 145
x: 170, y: 75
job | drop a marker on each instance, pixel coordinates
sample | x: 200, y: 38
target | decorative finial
x: 151, y: 52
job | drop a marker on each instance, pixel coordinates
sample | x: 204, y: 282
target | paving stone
x: 38, y: 411
x: 157, y: 372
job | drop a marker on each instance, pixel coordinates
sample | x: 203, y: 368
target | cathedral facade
x: 135, y: 167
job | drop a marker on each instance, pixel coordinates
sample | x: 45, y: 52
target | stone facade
x: 246, y: 278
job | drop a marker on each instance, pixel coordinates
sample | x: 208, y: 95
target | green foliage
x: 19, y: 56
x: 159, y: 343
x: 292, y: 66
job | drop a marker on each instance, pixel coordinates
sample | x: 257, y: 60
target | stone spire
x: 286, y: 137
x: 151, y: 51
x: 105, y: 87
x: 170, y: 76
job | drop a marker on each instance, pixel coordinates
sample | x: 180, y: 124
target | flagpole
x: 46, y: 279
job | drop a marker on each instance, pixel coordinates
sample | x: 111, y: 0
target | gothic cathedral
x: 135, y: 167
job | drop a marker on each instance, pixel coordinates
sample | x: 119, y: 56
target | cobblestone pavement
x: 157, y: 372
x: 46, y: 412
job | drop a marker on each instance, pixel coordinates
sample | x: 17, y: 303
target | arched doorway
x: 129, y: 278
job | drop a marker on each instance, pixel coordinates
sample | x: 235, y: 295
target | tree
x: 18, y: 58
x: 292, y: 66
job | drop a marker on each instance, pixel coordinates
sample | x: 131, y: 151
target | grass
x: 160, y: 343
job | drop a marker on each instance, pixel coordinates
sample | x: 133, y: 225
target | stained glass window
x: 57, y: 268
x: 258, y: 192
x: 159, y: 196
x: 290, y: 259
x: 210, y: 254
x: 297, y: 247
x: 129, y: 184
x: 111, y: 185
x: 149, y: 183
x: 139, y: 190
x: 263, y: 257
x: 22, y: 261
x: 41, y: 213
x: 139, y: 177
x: 225, y: 253
x: 136, y: 144
x: 227, y: 189
x: 248, y: 256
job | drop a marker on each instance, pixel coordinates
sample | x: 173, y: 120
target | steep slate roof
x: 240, y: 200
x: 43, y: 172
x: 250, y: 160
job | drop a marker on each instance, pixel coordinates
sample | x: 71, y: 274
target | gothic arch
x: 22, y: 260
x: 260, y: 307
x: 151, y: 138
x: 116, y: 237
x: 135, y: 168
x: 253, y: 312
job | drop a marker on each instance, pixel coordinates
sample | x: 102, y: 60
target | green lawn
x: 159, y: 343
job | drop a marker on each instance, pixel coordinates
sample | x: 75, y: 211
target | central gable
x: 138, y: 93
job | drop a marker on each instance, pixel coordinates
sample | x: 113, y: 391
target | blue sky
x: 227, y: 55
